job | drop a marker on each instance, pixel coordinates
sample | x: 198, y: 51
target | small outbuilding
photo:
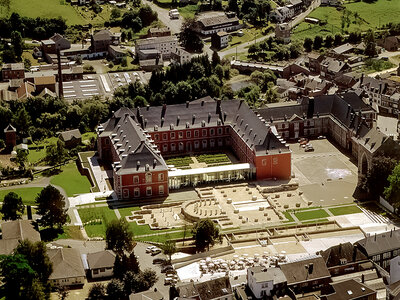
x: 101, y: 264
x: 71, y: 138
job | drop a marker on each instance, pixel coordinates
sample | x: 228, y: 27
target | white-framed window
x: 149, y: 191
x: 264, y: 162
x: 180, y: 146
x: 172, y: 135
x: 165, y: 147
x: 135, y: 179
x: 196, y: 144
x: 204, y: 144
x: 148, y: 177
x: 196, y: 133
x: 204, y: 132
x: 156, y: 137
x: 125, y: 193
x: 180, y: 134
x: 173, y: 147
x: 212, y: 143
x: 161, y: 177
x: 164, y: 136
x: 161, y: 190
x: 227, y: 130
x: 188, y: 134
x: 219, y: 131
x: 212, y: 131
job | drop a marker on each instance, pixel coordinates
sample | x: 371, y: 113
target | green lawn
x: 210, y: 159
x: 311, y: 214
x: 71, y: 180
x: 288, y: 216
x: 319, y: 221
x: 45, y: 9
x: 98, y: 229
x: 345, y: 210
x: 179, y: 162
x: 28, y: 195
x: 371, y: 15
x: 37, y: 151
x: 188, y: 11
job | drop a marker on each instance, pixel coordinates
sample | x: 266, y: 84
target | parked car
x: 159, y: 261
x: 167, y: 268
x: 150, y: 249
x: 155, y: 252
x: 322, y: 137
x: 309, y: 149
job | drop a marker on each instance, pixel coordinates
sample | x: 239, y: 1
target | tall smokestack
x: 60, y: 79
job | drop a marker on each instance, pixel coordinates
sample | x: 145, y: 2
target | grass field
x: 179, y: 162
x: 344, y: 210
x: 45, y: 9
x: 311, y: 214
x: 37, y: 151
x: 188, y: 11
x: 103, y: 213
x: 28, y: 195
x: 71, y: 180
x: 371, y: 15
x: 210, y: 159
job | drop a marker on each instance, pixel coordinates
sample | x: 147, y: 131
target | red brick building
x: 136, y: 142
x: 13, y: 71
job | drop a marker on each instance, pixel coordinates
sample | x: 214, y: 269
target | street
x: 163, y: 16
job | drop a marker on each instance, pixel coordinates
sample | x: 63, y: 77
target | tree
x: 376, y: 179
x: 216, y: 60
x: 18, y: 43
x: 119, y: 237
x: 317, y: 42
x: 370, y: 45
x: 115, y: 13
x: 50, y: 206
x: 12, y: 208
x: 125, y: 264
x: 116, y: 289
x: 97, y: 292
x: 338, y: 39
x: 63, y: 292
x: 55, y: 153
x: 169, y: 248
x: 22, y: 121
x: 328, y: 41
x: 17, y: 276
x: 206, y: 233
x: 36, y: 255
x: 308, y: 43
x: 21, y: 158
x: 392, y: 192
x: 188, y: 37
x: 124, y: 62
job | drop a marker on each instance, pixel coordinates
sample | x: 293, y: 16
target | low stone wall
x: 280, y: 188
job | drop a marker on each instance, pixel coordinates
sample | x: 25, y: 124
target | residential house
x: 344, y: 82
x: 214, y: 289
x: 13, y: 232
x: 163, y: 46
x: 390, y: 43
x: 43, y: 82
x: 344, y: 258
x: 55, y: 43
x: 11, y: 137
x: 393, y: 291
x: 13, y: 71
x: 297, y: 6
x: 209, y: 25
x: 314, y: 62
x: 117, y: 53
x: 331, y: 67
x: 266, y: 282
x: 101, y: 40
x: 71, y: 138
x: 147, y: 295
x: 331, y: 2
x: 157, y: 32
x: 220, y: 40
x: 282, y: 32
x: 382, y: 247
x: 101, y: 264
x: 180, y: 56
x: 306, y: 274
x: 282, y: 14
x: 394, y: 270
x: 67, y: 267
x: 348, y: 290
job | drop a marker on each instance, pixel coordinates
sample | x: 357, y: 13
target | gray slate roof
x: 66, y: 262
x: 70, y: 134
x: 270, y: 274
x: 101, y: 259
x: 380, y: 243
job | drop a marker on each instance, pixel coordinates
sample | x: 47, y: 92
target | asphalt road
x: 243, y: 47
x: 163, y: 16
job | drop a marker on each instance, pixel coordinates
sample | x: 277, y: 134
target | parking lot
x: 79, y: 89
x: 325, y: 175
x: 124, y: 78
